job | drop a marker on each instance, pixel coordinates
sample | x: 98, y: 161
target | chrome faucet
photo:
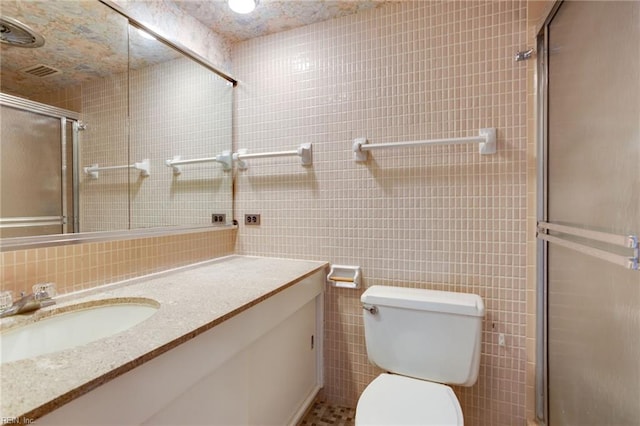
x: 40, y: 298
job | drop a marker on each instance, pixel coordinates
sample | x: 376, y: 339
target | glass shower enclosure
x: 38, y: 176
x: 589, y: 215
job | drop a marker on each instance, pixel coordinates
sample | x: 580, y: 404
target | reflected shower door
x: 30, y: 174
x: 593, y: 183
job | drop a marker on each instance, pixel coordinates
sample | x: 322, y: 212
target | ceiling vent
x: 40, y: 71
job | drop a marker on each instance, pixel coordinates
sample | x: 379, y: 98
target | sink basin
x: 75, y: 326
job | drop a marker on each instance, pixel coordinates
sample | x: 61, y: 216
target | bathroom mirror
x: 91, y: 117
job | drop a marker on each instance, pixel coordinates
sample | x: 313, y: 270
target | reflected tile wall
x: 437, y: 217
x: 179, y: 108
x: 83, y: 266
x: 170, y: 112
x: 70, y: 98
x: 104, y: 202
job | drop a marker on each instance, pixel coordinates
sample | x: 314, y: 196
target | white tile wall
x: 436, y: 217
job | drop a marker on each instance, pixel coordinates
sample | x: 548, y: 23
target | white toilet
x: 423, y: 338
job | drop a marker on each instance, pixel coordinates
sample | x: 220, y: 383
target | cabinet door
x: 282, y: 367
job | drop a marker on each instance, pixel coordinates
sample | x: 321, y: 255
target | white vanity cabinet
x: 262, y: 366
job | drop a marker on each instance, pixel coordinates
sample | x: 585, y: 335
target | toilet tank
x: 426, y: 334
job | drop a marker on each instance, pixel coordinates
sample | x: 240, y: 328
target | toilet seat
x: 397, y: 400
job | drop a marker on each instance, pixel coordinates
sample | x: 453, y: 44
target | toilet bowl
x: 391, y: 399
x: 424, y: 339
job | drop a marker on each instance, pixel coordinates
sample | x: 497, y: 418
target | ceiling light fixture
x: 243, y: 6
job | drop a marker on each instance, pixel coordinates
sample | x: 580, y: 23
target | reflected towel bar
x: 224, y: 159
x: 144, y: 167
x: 304, y: 151
x: 22, y: 222
x: 486, y: 140
x: 627, y: 241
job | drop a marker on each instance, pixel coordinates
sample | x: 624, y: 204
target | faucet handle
x: 6, y: 300
x: 44, y: 290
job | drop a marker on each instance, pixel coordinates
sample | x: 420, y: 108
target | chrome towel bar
x: 626, y: 241
x: 629, y: 241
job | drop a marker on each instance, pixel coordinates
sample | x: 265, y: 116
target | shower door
x: 36, y: 176
x: 593, y: 184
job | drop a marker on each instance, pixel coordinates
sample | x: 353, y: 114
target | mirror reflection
x: 90, y: 118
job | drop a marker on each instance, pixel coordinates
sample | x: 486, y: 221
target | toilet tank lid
x: 424, y: 300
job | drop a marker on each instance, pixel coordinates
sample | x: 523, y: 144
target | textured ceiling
x: 86, y: 40
x: 271, y: 16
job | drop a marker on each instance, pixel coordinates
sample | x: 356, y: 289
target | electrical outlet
x: 219, y: 218
x: 252, y: 219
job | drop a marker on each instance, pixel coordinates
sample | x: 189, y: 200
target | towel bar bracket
x: 489, y: 145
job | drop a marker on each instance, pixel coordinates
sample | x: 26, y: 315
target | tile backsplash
x: 434, y: 217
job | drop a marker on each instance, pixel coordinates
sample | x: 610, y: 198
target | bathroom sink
x: 74, y: 326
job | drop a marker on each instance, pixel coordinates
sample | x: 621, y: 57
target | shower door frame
x: 542, y: 214
x: 65, y: 116
x: 542, y: 186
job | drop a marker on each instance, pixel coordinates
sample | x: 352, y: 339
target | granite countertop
x: 192, y: 300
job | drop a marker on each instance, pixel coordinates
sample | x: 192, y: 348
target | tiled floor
x: 323, y: 414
